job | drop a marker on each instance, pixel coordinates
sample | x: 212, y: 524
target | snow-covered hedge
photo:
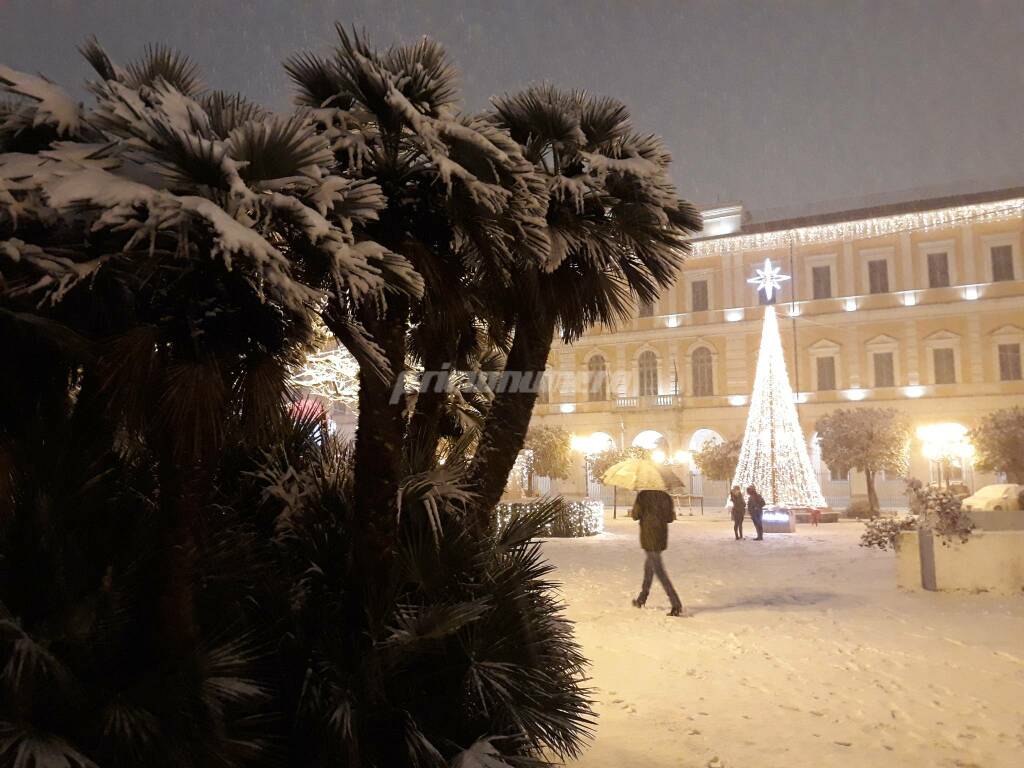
x: 578, y: 518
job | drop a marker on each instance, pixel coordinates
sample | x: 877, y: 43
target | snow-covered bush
x: 860, y: 509
x: 933, y: 509
x: 883, y: 532
x: 939, y: 510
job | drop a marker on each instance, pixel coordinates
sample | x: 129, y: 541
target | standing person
x: 755, y: 508
x: 815, y: 516
x: 739, y: 509
x: 653, y: 509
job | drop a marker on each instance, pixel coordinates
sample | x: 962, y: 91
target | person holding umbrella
x: 654, y: 510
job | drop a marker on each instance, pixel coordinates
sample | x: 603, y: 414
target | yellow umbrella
x: 640, y: 475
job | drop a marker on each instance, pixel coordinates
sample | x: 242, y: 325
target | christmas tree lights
x: 774, y: 456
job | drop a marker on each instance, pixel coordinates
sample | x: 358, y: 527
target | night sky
x: 788, y: 107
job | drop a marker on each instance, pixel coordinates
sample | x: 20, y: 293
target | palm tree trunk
x: 182, y: 491
x: 426, y: 418
x: 508, y: 418
x: 380, y: 432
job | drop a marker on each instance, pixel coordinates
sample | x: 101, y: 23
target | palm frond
x: 98, y: 59
x: 162, y: 63
x: 277, y: 148
x: 424, y: 75
x: 228, y: 111
x: 317, y: 81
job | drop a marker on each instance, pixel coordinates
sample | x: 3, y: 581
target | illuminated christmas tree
x: 774, y: 455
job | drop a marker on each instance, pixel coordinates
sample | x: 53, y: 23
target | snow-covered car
x: 995, y: 498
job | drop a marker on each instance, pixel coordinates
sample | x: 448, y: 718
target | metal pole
x: 792, y: 316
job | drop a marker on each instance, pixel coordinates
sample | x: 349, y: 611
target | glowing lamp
x: 971, y: 292
x: 658, y: 457
x: 909, y: 299
x: 855, y: 394
x: 795, y: 311
x: 567, y: 408
x: 914, y: 391
x: 672, y: 321
x: 737, y: 399
x: 850, y: 305
x: 733, y: 315
x: 681, y: 457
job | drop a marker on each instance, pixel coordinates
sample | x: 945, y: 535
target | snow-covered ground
x: 801, y: 652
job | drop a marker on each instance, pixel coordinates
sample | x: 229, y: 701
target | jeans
x: 653, y: 566
x: 756, y: 518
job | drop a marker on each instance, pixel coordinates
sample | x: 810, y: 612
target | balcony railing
x: 648, y: 401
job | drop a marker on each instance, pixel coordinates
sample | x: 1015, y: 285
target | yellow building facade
x: 916, y: 306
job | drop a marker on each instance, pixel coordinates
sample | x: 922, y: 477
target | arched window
x: 703, y: 373
x: 648, y: 367
x: 598, y: 386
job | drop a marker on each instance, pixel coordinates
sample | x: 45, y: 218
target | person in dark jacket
x: 755, y: 508
x: 739, y: 511
x: 654, y: 511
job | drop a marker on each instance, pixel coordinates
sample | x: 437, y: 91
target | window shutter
x: 938, y: 270
x: 822, y: 279
x: 826, y: 373
x: 885, y: 375
x: 699, y: 295
x: 1002, y: 263
x: 945, y: 366
x: 1009, y: 362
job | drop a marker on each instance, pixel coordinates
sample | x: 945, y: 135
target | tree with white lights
x: 774, y: 456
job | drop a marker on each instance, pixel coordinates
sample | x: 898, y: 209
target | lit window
x: 1009, y: 362
x: 598, y: 385
x: 878, y: 276
x: 1002, y: 263
x: 703, y: 373
x: 821, y: 278
x: 699, y: 296
x: 826, y: 368
x: 944, y: 360
x: 938, y: 270
x: 885, y: 375
x: 648, y: 367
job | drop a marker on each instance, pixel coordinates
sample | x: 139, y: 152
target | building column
x: 849, y: 282
x: 905, y: 260
x: 970, y: 274
x: 912, y: 360
x: 975, y: 348
x: 623, y: 375
x: 853, y: 357
x: 736, y: 365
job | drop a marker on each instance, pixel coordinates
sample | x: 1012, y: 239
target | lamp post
x: 944, y: 444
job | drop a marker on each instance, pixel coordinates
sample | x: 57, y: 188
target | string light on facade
x: 862, y: 229
x: 774, y: 457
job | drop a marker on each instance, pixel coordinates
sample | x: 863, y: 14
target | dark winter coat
x: 654, y: 510
x: 755, y: 504
x: 738, y: 506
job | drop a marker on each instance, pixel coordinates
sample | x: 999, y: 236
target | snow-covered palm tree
x: 618, y: 234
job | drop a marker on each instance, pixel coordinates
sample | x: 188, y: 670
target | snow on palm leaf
x: 155, y: 172
x: 774, y: 455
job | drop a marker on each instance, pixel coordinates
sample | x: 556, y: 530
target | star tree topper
x: 768, y: 279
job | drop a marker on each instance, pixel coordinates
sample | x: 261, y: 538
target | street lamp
x: 944, y: 444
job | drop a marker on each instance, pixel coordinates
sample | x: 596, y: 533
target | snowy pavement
x: 801, y: 652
